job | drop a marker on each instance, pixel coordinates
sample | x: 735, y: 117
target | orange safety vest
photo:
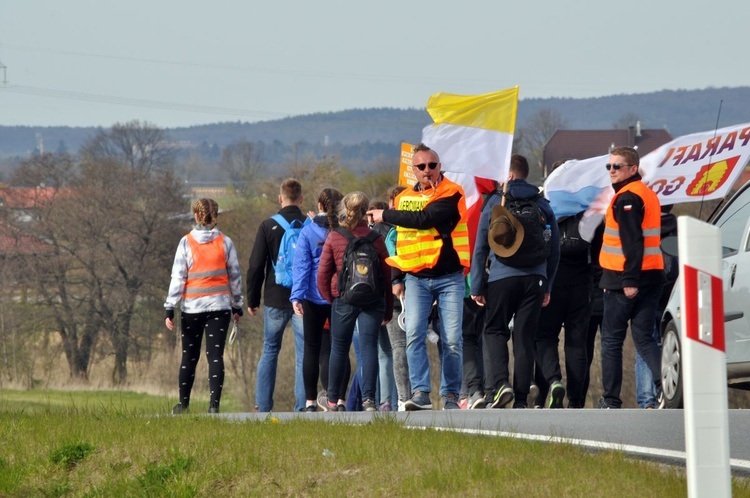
x: 417, y: 249
x: 611, y: 256
x: 208, y: 275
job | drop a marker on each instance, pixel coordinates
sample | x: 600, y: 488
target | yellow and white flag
x: 473, y: 134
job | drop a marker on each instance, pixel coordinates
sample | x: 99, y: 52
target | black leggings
x: 216, y: 326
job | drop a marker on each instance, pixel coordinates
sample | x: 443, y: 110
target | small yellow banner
x: 405, y: 174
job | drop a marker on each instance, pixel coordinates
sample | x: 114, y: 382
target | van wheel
x: 671, y: 366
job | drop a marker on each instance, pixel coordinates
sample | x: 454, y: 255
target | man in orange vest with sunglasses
x: 432, y: 251
x: 632, y: 273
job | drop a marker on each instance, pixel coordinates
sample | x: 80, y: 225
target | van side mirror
x: 668, y: 245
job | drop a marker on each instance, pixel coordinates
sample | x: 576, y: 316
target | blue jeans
x: 275, y: 321
x: 344, y: 318
x: 448, y: 291
x: 645, y: 392
x: 354, y: 396
x: 640, y: 311
x: 386, y: 380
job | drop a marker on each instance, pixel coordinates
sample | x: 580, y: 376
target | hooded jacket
x: 519, y: 189
x: 306, y: 261
x: 183, y: 262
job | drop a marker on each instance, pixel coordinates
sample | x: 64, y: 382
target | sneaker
x: 178, y: 409
x: 385, y: 407
x: 449, y: 402
x: 603, y: 404
x: 502, y: 397
x: 533, y: 394
x: 322, y: 400
x: 331, y: 407
x: 311, y: 409
x: 556, y: 394
x: 368, y: 405
x: 401, y: 406
x: 213, y: 409
x: 519, y: 404
x: 341, y: 407
x: 463, y: 403
x: 420, y: 401
x: 477, y: 401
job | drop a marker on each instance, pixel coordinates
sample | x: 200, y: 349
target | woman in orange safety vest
x: 207, y: 278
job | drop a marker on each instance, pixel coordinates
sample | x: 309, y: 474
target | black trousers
x: 519, y: 298
x: 571, y: 306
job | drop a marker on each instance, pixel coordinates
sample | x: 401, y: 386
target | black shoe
x: 603, y: 404
x: 311, y: 409
x: 502, y: 398
x: 556, y: 395
x: 213, y: 409
x: 178, y: 409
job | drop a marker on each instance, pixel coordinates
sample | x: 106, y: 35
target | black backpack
x: 535, y: 247
x: 571, y: 242
x: 360, y: 278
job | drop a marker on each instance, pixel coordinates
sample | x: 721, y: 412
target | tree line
x: 87, y: 254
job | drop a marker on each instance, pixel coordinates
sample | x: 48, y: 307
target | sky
x: 181, y: 63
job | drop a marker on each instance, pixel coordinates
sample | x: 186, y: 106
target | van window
x: 732, y: 223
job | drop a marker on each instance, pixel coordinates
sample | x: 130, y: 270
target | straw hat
x: 506, y: 232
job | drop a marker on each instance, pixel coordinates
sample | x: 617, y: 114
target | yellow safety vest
x: 417, y: 249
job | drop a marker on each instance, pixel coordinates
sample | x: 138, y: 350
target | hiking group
x: 388, y: 277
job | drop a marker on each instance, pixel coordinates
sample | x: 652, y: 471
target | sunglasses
x: 615, y: 166
x: 421, y: 167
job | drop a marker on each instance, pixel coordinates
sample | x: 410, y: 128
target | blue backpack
x: 283, y: 266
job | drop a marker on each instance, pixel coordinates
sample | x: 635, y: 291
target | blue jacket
x: 523, y: 190
x: 306, y: 260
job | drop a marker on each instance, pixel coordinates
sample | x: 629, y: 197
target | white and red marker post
x: 704, y: 367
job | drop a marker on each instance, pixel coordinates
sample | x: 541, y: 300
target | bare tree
x: 112, y: 233
x: 626, y: 121
x: 131, y: 239
x: 141, y: 146
x: 243, y: 163
x: 537, y: 132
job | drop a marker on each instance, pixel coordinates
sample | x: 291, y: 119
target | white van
x: 732, y: 218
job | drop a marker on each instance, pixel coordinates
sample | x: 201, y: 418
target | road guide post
x: 704, y: 368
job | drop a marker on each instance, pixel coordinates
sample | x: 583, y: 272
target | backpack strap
x: 487, y: 199
x: 346, y: 233
x: 281, y: 221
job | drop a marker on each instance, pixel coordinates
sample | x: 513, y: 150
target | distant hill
x: 361, y: 132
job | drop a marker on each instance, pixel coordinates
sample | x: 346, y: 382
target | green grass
x: 113, y: 444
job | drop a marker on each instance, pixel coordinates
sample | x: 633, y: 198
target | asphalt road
x: 652, y: 434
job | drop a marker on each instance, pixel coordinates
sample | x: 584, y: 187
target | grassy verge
x: 112, y: 444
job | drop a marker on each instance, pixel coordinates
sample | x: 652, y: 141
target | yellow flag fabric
x: 473, y: 134
x: 491, y: 111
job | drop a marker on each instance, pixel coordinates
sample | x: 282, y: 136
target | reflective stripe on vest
x: 207, y: 275
x: 418, y: 250
x: 612, y: 256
